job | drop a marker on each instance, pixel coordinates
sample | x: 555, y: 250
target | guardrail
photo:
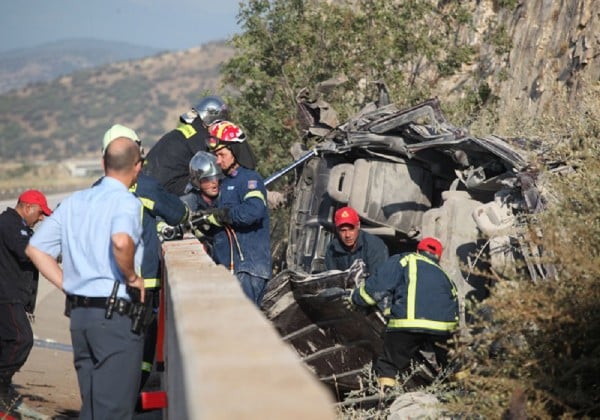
x: 223, y: 359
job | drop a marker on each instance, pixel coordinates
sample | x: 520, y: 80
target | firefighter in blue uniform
x: 169, y: 158
x: 422, y: 308
x: 156, y: 203
x: 243, y: 244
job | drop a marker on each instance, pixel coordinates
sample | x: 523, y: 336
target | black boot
x: 6, y: 397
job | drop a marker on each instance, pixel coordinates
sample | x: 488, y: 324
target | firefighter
x: 157, y: 203
x: 169, y: 158
x: 205, y: 177
x: 422, y: 310
x: 351, y: 243
x: 243, y: 243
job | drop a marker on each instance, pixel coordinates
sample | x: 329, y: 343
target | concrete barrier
x: 223, y: 359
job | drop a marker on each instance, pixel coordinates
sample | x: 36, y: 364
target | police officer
x: 351, y: 243
x: 156, y: 203
x: 169, y: 158
x: 98, y: 233
x: 422, y: 313
x: 242, y: 244
x: 18, y: 290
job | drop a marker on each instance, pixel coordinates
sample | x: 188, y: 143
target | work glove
x: 188, y: 214
x: 198, y: 218
x: 167, y: 232
x: 218, y: 216
x: 347, y: 302
x: 199, y: 234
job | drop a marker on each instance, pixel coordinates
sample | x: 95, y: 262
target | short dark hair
x: 122, y: 156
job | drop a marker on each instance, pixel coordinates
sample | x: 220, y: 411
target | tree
x: 287, y: 45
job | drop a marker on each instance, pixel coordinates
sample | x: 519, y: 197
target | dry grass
x: 49, y: 178
x: 543, y: 339
x: 534, y: 351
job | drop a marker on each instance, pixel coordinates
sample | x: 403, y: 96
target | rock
x: 415, y: 405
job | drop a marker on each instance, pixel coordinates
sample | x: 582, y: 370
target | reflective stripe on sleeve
x: 151, y: 283
x: 187, y: 130
x: 256, y: 194
x: 146, y: 202
x: 365, y: 296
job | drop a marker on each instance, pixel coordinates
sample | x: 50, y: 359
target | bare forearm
x: 124, y: 251
x: 47, y: 265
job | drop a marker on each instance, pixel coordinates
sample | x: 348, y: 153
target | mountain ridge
x: 45, y: 62
x: 65, y: 117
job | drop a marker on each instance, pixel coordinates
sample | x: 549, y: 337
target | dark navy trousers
x: 16, y: 339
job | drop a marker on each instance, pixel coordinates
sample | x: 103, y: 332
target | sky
x: 164, y: 24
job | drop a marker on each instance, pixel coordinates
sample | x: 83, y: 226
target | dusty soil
x: 48, y: 384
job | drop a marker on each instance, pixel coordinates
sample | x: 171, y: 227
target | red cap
x: 431, y: 245
x: 35, y: 197
x: 346, y: 216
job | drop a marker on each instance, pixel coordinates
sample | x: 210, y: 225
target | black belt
x: 122, y: 306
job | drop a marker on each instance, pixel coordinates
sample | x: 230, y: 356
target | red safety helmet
x: 226, y: 134
x: 223, y: 134
x: 431, y: 245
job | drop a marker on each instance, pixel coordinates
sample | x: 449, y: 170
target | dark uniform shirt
x: 168, y: 160
x: 244, y: 194
x: 157, y: 202
x: 18, y: 275
x: 422, y: 298
x: 199, y: 203
x: 206, y: 233
x: 369, y: 248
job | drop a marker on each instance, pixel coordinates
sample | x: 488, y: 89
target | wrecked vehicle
x: 408, y: 173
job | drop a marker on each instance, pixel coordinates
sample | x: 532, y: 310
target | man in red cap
x: 351, y: 243
x: 18, y: 289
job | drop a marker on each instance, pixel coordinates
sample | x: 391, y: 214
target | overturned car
x: 408, y: 173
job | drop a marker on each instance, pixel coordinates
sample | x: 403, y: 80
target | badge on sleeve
x: 252, y: 184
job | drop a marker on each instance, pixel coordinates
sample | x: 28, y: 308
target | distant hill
x: 21, y: 67
x: 66, y: 118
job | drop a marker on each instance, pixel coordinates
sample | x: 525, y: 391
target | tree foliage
x: 539, y: 353
x: 287, y: 45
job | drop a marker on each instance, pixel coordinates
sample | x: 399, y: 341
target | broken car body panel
x: 408, y: 174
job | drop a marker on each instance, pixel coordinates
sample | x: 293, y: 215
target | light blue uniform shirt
x: 81, y: 229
